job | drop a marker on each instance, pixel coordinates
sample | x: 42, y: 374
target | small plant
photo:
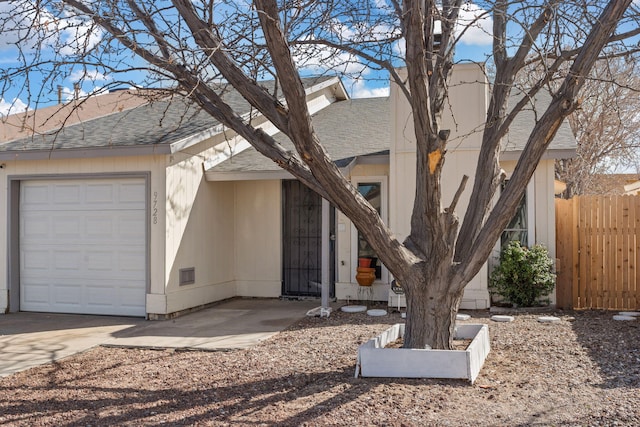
x: 523, y: 275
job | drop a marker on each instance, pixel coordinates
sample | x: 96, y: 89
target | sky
x: 65, y: 36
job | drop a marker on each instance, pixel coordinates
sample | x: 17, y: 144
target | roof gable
x: 346, y: 129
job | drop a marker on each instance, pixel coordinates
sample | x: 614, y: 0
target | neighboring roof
x: 155, y: 126
x: 346, y: 129
x: 632, y: 189
x: 611, y: 184
x: 43, y: 120
x: 559, y: 187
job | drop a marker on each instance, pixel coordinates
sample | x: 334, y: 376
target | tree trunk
x: 431, y: 313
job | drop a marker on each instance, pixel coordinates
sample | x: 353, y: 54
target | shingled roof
x: 562, y: 146
x: 155, y: 125
x: 359, y: 127
x: 347, y: 129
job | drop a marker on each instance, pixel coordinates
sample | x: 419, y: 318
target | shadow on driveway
x: 31, y: 339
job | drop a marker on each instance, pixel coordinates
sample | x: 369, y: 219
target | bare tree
x: 606, y: 125
x: 194, y: 44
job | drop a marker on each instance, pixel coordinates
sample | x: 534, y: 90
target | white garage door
x: 83, y: 246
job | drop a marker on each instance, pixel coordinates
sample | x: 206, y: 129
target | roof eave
x: 214, y: 176
x: 551, y: 154
x: 190, y: 141
x: 80, y: 153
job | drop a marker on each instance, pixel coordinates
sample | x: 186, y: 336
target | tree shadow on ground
x: 614, y: 346
x: 243, y: 403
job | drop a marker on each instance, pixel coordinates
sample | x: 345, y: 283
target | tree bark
x: 432, y: 305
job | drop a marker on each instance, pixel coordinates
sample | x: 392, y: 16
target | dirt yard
x: 582, y: 371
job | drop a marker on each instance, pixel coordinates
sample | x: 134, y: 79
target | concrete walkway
x: 31, y: 339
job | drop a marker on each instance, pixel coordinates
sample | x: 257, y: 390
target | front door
x: 302, y: 241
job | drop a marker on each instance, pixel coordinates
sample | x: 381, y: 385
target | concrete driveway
x: 31, y: 339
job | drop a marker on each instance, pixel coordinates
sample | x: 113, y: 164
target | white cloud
x: 359, y: 89
x: 29, y: 27
x: 318, y: 59
x: 478, y: 33
x: 78, y: 35
x: 478, y: 23
x: 13, y: 107
x: 68, y: 94
x: 92, y: 75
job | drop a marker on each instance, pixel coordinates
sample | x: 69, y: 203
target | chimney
x: 59, y: 94
x: 76, y: 90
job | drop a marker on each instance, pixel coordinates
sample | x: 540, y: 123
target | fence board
x: 635, y: 297
x: 565, y: 264
x: 575, y: 281
x: 598, y: 250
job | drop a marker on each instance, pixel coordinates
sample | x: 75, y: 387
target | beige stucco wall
x: 199, y: 234
x: 258, y: 234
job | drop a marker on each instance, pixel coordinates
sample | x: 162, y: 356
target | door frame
x: 384, y: 214
x: 327, y: 245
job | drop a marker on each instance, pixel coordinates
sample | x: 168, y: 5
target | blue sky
x: 68, y: 34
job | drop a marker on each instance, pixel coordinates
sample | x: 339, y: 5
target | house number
x: 155, y: 207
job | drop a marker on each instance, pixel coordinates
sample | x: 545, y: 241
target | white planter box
x: 376, y: 361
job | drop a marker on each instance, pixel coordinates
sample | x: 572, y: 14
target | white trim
x: 248, y: 175
x: 326, y: 253
x: 384, y: 207
x: 531, y: 212
x: 549, y: 154
x: 328, y: 83
x: 531, y: 216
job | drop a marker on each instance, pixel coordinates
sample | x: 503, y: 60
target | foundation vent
x: 187, y: 276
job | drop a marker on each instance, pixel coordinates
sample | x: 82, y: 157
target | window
x: 372, y: 191
x: 517, y: 229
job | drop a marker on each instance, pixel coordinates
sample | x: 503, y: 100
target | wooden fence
x: 598, y: 251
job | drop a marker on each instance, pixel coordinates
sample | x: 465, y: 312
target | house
x: 632, y: 189
x: 611, y: 184
x: 155, y: 208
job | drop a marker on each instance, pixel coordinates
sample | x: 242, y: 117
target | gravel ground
x: 582, y: 371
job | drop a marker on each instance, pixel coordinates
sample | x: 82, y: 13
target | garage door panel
x: 37, y: 260
x: 100, y: 295
x: 36, y: 294
x: 131, y: 300
x: 130, y: 228
x: 99, y: 260
x: 35, y: 226
x: 84, y: 250
x: 131, y: 262
x: 66, y: 262
x: 132, y: 195
x: 65, y: 194
x: 65, y: 227
x: 35, y: 195
x: 100, y: 226
x: 67, y: 294
x: 101, y: 193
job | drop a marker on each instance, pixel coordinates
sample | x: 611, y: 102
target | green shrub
x: 524, y: 275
